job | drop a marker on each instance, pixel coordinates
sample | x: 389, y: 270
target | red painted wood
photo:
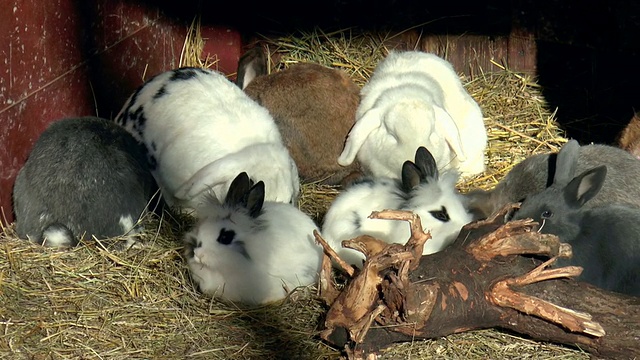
x: 66, y: 58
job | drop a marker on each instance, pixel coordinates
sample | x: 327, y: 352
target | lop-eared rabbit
x: 416, y: 99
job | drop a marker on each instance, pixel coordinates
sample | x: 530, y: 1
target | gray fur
x: 605, y: 238
x: 535, y: 173
x: 82, y: 177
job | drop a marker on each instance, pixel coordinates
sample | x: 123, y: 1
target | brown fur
x: 314, y: 108
x: 629, y: 138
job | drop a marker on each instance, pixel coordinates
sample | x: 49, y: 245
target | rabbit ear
x: 426, y: 163
x: 251, y: 65
x: 585, y: 186
x: 448, y: 127
x: 411, y: 176
x: 255, y: 199
x: 238, y: 189
x: 566, y: 163
x: 358, y: 134
x: 216, y: 173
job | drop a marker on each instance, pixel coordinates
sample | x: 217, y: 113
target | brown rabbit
x: 629, y: 138
x: 314, y: 107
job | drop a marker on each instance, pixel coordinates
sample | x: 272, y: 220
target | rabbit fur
x: 535, y: 173
x: 248, y: 249
x: 84, y: 177
x: 629, y: 137
x: 423, y: 190
x: 314, y: 108
x: 604, y: 239
x: 416, y: 99
x: 201, y: 130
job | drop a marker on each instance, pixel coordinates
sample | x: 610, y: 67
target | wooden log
x: 495, y: 275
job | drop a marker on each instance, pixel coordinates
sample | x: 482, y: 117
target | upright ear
x: 585, y: 186
x: 255, y: 199
x: 426, y: 163
x: 359, y: 132
x: 445, y: 125
x: 566, y: 163
x: 251, y: 65
x: 238, y: 189
x: 411, y: 176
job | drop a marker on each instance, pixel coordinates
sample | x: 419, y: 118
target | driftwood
x: 495, y: 275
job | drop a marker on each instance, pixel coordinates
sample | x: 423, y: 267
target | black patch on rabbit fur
x: 186, y: 73
x: 357, y: 222
x: 162, y: 92
x: 226, y: 236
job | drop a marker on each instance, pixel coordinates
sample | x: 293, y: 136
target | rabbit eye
x: 193, y: 241
x: 226, y: 236
x: 546, y: 214
x: 441, y: 214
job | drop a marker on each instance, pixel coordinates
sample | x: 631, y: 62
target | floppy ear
x: 370, y: 121
x: 426, y: 163
x: 445, y: 125
x: 585, y: 186
x: 220, y: 170
x: 254, y: 199
x: 251, y: 65
x: 566, y: 163
x: 238, y: 189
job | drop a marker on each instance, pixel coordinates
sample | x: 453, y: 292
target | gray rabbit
x: 536, y: 172
x: 84, y: 176
x: 605, y: 239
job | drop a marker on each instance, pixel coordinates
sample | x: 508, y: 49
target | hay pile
x: 92, y: 302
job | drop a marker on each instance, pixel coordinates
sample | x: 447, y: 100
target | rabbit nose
x: 198, y: 255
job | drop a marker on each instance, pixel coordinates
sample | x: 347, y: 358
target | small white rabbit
x: 416, y: 99
x: 201, y: 130
x: 248, y: 250
x: 433, y: 197
x: 604, y: 238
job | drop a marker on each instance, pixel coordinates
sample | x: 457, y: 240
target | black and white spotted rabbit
x: 201, y: 130
x: 248, y: 249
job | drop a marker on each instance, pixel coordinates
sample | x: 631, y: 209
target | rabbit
x: 423, y: 190
x: 629, y: 137
x: 536, y: 172
x: 416, y: 99
x: 247, y: 249
x: 604, y: 239
x: 84, y: 177
x: 314, y: 107
x: 201, y: 130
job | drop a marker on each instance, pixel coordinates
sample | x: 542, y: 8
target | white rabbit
x: 248, y: 250
x: 433, y: 197
x: 201, y: 130
x: 416, y: 99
